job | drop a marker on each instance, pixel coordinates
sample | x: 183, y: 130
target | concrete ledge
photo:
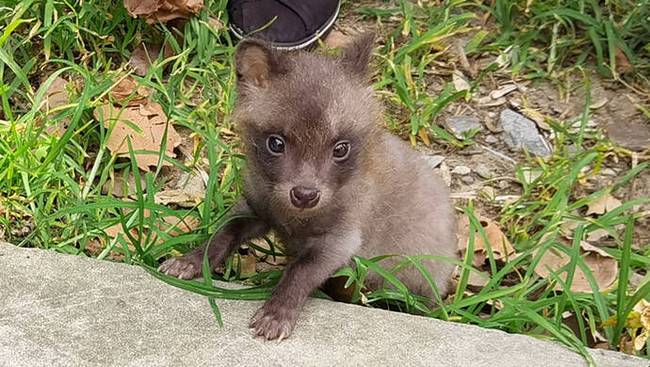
x: 60, y: 310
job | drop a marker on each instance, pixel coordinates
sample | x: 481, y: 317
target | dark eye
x: 341, y: 150
x: 275, y: 144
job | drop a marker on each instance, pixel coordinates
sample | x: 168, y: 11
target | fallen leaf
x: 458, y: 49
x: 145, y: 126
x: 478, y: 279
x: 187, y: 191
x: 497, y: 240
x: 604, y: 268
x: 487, y: 101
x: 642, y: 308
x: 503, y: 91
x: 178, y: 197
x: 599, y: 104
x: 262, y: 249
x: 586, y: 246
x: 127, y: 92
x: 537, y: 117
x: 116, y: 231
x: 603, y: 204
x: 162, y: 10
x: 176, y: 226
x: 623, y: 64
x: 95, y: 246
x: 460, y: 82
x: 121, y: 188
x: 422, y: 133
x: 337, y: 39
x: 247, y: 263
x: 597, y: 235
x: 56, y: 96
x: 216, y: 23
x: 144, y: 55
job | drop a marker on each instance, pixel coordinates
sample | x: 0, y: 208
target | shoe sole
x: 290, y: 46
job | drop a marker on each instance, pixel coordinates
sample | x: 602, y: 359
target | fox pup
x: 324, y: 175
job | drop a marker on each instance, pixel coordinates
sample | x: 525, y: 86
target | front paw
x: 273, y: 322
x: 182, y: 267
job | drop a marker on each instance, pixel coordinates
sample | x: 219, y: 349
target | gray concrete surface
x: 61, y: 310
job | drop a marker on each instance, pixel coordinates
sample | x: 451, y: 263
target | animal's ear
x: 356, y: 55
x: 256, y: 63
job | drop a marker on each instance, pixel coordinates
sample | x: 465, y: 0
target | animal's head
x: 306, y: 120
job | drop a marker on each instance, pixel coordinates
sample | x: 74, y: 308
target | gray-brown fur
x: 381, y: 199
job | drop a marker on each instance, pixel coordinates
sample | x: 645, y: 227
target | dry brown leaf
x: 95, y: 246
x: 247, y: 262
x: 151, y: 122
x: 178, y: 197
x: 623, y: 64
x: 267, y: 258
x: 597, y: 235
x: 422, y: 133
x: 116, y: 231
x: 626, y: 345
x: 337, y: 39
x: 604, y: 204
x: 603, y: 267
x: 127, y: 92
x: 497, y: 240
x: 460, y: 82
x: 162, y: 10
x: 642, y: 309
x: 121, y: 188
x: 176, y: 226
x: 144, y: 55
x: 487, y: 101
x: 216, y: 23
x: 186, y: 191
x: 56, y: 96
x: 537, y: 117
x: 478, y: 279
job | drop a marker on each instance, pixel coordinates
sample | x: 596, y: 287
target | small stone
x: 491, y: 139
x: 483, y: 171
x: 443, y: 171
x: 434, y: 160
x: 521, y: 133
x: 631, y: 134
x: 461, y: 170
x: 459, y: 125
x: 467, y: 180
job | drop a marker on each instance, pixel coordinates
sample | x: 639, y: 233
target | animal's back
x: 412, y: 215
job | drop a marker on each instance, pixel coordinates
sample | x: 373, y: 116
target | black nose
x: 304, y: 197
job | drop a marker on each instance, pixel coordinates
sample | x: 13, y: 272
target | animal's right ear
x: 256, y: 63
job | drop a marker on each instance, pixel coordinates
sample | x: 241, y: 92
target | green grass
x: 52, y: 186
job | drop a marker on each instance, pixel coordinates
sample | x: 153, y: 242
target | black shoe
x: 286, y: 24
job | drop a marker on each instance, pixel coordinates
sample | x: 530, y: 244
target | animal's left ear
x: 356, y: 55
x: 256, y: 63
